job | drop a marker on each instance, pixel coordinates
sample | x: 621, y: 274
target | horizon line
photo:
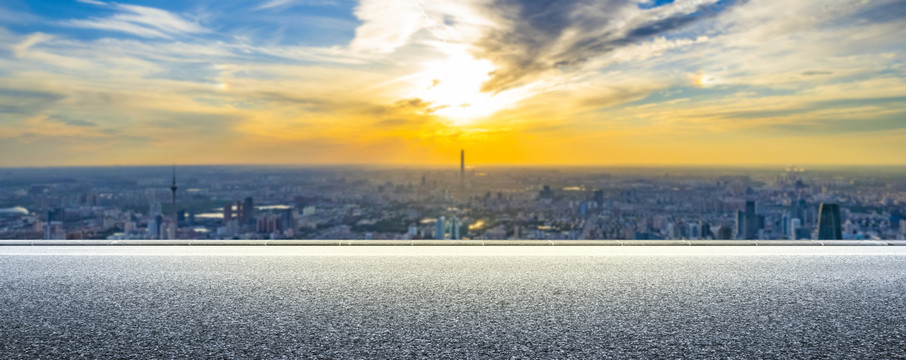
x: 473, y: 166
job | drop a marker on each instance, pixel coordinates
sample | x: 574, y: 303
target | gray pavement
x: 384, y: 302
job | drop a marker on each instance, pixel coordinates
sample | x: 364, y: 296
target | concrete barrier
x: 452, y: 242
x: 785, y: 243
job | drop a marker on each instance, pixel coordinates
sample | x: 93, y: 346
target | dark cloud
x: 616, y: 96
x: 814, y: 73
x: 73, y: 122
x: 810, y: 107
x: 196, y: 124
x: 285, y: 98
x: 839, y: 125
x: 26, y: 103
x: 393, y: 122
x: 548, y: 34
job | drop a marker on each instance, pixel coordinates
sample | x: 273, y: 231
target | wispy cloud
x: 270, y: 4
x: 139, y: 20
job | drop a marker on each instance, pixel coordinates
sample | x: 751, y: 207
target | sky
x: 513, y: 82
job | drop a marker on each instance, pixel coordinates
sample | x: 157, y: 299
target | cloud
x: 141, y: 21
x: 546, y: 35
x: 387, y: 24
x: 21, y: 49
x: 71, y: 121
x: 270, y: 4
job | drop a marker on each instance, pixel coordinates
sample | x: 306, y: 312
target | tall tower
x: 462, y: 167
x: 173, y: 191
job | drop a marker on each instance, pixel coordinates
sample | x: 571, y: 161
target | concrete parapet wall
x: 452, y: 243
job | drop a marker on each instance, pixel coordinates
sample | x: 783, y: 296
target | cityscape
x: 452, y: 179
x: 482, y: 202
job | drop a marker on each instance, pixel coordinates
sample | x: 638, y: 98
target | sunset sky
x: 520, y: 82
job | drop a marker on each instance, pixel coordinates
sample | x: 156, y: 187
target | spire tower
x: 462, y: 167
x: 173, y: 191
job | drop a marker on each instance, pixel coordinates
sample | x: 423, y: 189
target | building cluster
x: 209, y: 202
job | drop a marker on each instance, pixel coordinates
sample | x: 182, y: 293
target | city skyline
x: 514, y: 83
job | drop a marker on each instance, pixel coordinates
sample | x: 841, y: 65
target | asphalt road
x: 715, y: 305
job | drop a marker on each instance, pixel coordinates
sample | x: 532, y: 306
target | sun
x: 453, y: 87
x: 704, y: 80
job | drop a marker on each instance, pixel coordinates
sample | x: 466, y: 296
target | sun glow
x: 705, y: 80
x: 453, y: 87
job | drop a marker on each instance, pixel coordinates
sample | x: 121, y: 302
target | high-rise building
x: 829, y: 223
x: 227, y: 213
x: 439, y: 229
x: 454, y: 228
x: 795, y: 224
x: 599, y: 198
x: 154, y: 227
x: 694, y: 231
x: 751, y: 222
x: 288, y: 219
x: 724, y: 232
x: 707, y: 233
x: 785, y: 221
x: 546, y: 193
x: 248, y: 210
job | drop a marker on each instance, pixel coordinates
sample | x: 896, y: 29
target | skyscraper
x: 751, y: 222
x: 454, y: 228
x: 795, y: 224
x: 227, y: 213
x: 462, y: 167
x: 829, y: 223
x: 439, y: 229
x: 248, y: 210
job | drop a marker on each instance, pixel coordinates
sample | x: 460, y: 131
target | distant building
x: 439, y: 228
x: 288, y: 218
x: 724, y: 233
x: 707, y: 233
x: 53, y: 230
x: 546, y: 193
x: 752, y: 223
x: 308, y: 211
x: 599, y: 198
x: 270, y: 223
x: 454, y: 228
x: 154, y: 227
x: 227, y: 213
x: 795, y: 224
x: 829, y: 224
x: 785, y: 222
x: 248, y: 211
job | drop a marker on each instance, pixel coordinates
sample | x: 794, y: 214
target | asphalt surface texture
x: 701, y: 306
